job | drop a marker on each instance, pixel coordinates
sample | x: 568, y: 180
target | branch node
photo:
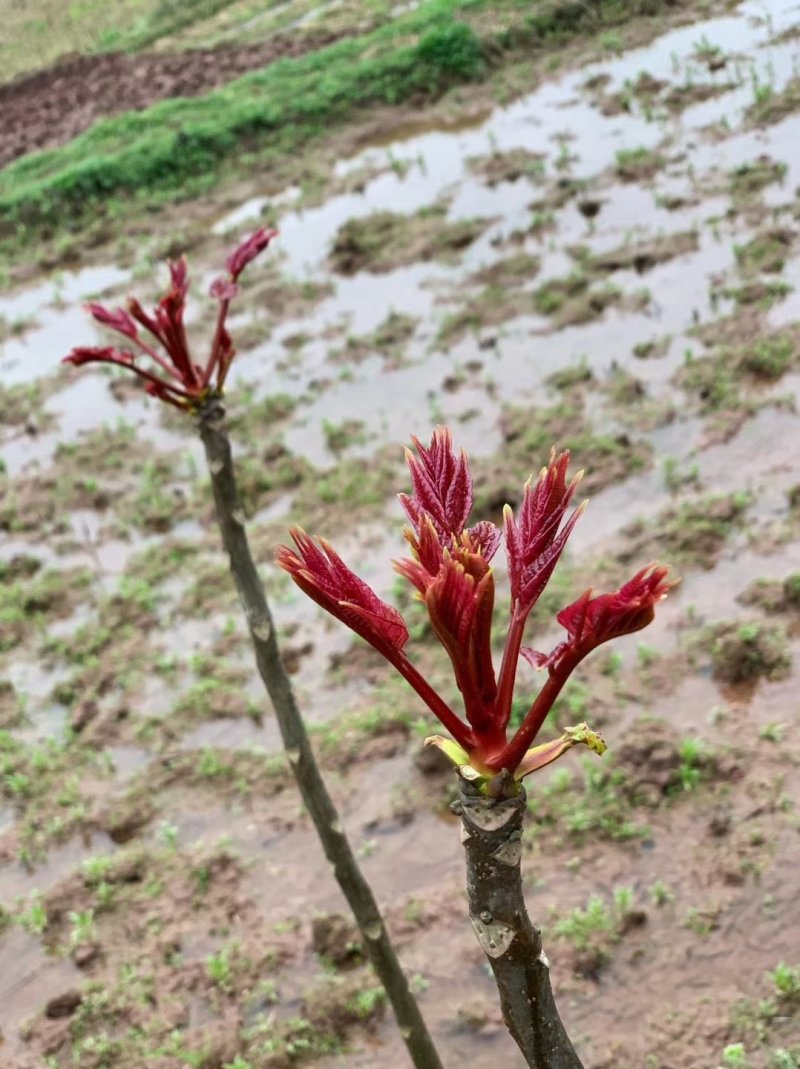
x: 495, y: 937
x: 510, y: 853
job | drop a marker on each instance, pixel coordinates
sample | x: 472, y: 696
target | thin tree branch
x: 326, y: 820
x: 492, y: 831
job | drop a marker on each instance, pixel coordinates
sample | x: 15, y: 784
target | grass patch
x: 766, y: 252
x: 36, y: 34
x: 717, y: 380
x: 528, y: 436
x: 385, y: 240
x: 692, y: 532
x: 508, y: 166
x: 752, y: 177
x: 743, y: 652
x: 388, y: 340
x: 28, y: 603
x: 770, y: 106
x: 573, y: 299
x: 179, y: 148
x: 642, y: 256
x: 638, y: 164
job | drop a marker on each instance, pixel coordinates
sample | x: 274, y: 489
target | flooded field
x: 610, y: 264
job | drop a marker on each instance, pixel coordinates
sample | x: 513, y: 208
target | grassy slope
x: 179, y: 146
x: 38, y: 32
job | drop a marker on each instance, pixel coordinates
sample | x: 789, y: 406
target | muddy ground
x: 609, y: 263
x: 51, y: 106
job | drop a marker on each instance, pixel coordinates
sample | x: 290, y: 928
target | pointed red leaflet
x: 325, y: 577
x: 442, y: 486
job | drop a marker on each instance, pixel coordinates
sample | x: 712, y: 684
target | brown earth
x: 51, y: 106
x: 163, y: 898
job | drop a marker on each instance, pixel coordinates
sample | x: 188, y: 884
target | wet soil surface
x: 54, y: 105
x: 588, y: 265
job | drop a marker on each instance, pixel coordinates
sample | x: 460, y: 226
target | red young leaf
x: 248, y: 250
x: 222, y: 289
x: 97, y: 354
x: 324, y: 576
x: 485, y: 538
x: 534, y: 544
x: 460, y: 604
x: 442, y: 486
x: 118, y: 320
x: 170, y: 373
x: 590, y: 621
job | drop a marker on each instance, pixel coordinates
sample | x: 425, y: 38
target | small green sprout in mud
x: 34, y: 919
x: 220, y: 969
x: 691, y: 753
x: 660, y: 894
x: 786, y: 981
x: 702, y: 920
x: 168, y: 834
x: 734, y: 1057
x: 451, y: 572
x: 83, y: 928
x: 594, y: 930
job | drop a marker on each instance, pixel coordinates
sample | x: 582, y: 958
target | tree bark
x: 338, y: 851
x: 492, y: 838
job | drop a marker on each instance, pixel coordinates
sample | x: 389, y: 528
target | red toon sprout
x: 159, y: 350
x: 450, y: 569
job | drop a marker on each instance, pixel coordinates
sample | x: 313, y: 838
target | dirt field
x: 51, y: 106
x: 608, y: 263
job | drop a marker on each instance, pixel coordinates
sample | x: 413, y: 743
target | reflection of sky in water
x: 56, y: 307
x: 515, y: 359
x: 431, y: 167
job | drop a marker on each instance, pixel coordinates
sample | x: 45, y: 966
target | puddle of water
x: 764, y: 457
x: 422, y: 855
x: 28, y: 979
x: 18, y: 881
x: 62, y: 289
x: 252, y: 210
x: 127, y: 760
x: 56, y: 307
x: 228, y: 734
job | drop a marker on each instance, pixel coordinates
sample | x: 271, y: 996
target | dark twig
x: 211, y: 419
x: 492, y: 837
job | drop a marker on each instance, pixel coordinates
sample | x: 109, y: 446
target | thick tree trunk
x: 492, y: 838
x: 298, y: 749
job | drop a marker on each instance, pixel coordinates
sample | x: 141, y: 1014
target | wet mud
x: 151, y: 843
